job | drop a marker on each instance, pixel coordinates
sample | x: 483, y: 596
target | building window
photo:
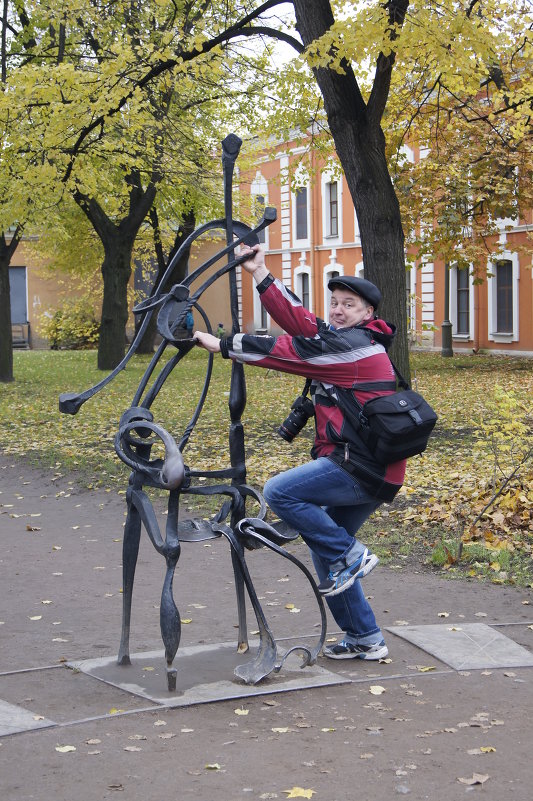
x: 329, y: 273
x: 504, y: 297
x: 304, y: 289
x: 333, y: 209
x: 264, y: 318
x: 463, y: 302
x: 259, y: 210
x: 301, y: 212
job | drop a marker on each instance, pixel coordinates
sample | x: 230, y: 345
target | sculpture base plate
x: 204, y: 675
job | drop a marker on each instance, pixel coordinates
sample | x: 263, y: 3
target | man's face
x: 347, y: 309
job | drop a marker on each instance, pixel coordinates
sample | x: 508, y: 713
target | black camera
x: 301, y: 410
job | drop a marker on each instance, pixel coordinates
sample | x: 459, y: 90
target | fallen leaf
x: 241, y: 711
x: 299, y: 792
x: 443, y: 614
x: 289, y: 606
x: 281, y: 730
x: 65, y: 749
x: 487, y: 749
x: 33, y: 528
x: 366, y: 756
x: 137, y: 737
x: 376, y: 689
x: 213, y: 766
x: 114, y: 711
x: 93, y: 741
x: 477, y: 778
x: 188, y: 731
x: 160, y: 723
x: 132, y: 748
x: 327, y: 729
x: 386, y: 661
x: 167, y: 735
x: 36, y: 617
x: 186, y: 620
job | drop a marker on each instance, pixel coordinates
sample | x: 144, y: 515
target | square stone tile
x: 468, y: 646
x: 15, y: 719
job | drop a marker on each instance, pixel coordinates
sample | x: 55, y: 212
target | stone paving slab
x: 469, y: 646
x: 15, y: 719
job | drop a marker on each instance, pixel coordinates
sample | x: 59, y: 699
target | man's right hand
x: 255, y: 265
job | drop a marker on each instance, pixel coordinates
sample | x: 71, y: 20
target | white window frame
x: 303, y: 269
x: 494, y: 336
x: 332, y: 267
x: 259, y: 188
x: 301, y: 243
x: 326, y: 181
x: 453, y: 304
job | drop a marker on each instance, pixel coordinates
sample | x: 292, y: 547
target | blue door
x: 18, y: 295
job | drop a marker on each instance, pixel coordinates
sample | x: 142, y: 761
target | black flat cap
x: 366, y: 289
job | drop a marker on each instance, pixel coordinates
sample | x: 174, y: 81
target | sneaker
x: 345, y: 650
x: 342, y: 579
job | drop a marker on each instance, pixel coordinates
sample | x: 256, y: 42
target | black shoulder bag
x: 393, y: 427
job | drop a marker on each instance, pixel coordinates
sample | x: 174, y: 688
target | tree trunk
x: 117, y: 240
x: 116, y: 272
x: 179, y: 272
x: 360, y: 145
x: 6, y: 339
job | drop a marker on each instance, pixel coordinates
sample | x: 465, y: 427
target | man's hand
x: 207, y: 341
x: 255, y: 265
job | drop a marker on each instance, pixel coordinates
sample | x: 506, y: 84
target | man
x: 328, y: 499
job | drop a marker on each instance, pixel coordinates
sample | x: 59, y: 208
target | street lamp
x: 446, y: 327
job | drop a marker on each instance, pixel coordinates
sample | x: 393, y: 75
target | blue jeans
x: 327, y: 507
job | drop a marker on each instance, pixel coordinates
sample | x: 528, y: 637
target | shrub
x: 73, y: 326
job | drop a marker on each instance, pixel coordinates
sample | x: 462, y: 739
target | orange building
x: 316, y: 236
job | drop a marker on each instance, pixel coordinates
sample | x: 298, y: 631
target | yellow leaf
x: 289, y: 606
x: 377, y: 689
x: 36, y: 617
x: 212, y: 766
x: 327, y: 729
x: 241, y: 711
x: 282, y: 730
x: 487, y: 749
x: 186, y: 620
x: 299, y: 792
x: 65, y: 749
x: 424, y: 668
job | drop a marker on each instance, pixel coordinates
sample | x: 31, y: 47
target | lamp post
x: 446, y: 327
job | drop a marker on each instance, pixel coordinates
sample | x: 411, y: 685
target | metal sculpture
x: 138, y: 433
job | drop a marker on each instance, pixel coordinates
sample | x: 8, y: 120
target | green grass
x: 420, y: 525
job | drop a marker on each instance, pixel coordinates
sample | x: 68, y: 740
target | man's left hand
x: 207, y: 341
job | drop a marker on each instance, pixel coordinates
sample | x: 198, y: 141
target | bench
x: 20, y: 335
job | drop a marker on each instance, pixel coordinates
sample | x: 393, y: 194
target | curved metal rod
x: 71, y: 402
x: 311, y: 653
x: 168, y: 473
x: 264, y: 661
x: 148, y: 372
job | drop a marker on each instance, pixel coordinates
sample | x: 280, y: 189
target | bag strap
x: 401, y: 380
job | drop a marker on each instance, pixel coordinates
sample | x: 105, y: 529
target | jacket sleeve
x: 329, y: 357
x: 287, y: 310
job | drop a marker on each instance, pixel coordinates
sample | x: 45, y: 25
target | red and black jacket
x: 355, y: 358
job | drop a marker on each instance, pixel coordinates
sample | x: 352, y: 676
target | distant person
x: 189, y: 324
x: 220, y: 330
